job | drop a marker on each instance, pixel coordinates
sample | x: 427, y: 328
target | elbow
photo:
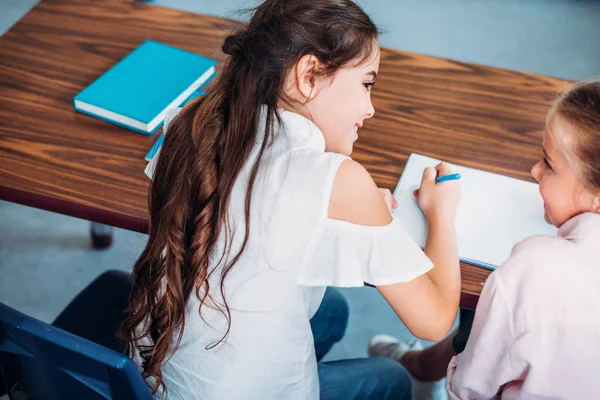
x: 439, y: 326
x: 434, y: 335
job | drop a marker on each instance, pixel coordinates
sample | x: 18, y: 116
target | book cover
x: 137, y: 91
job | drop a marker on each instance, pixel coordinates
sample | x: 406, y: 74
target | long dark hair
x: 208, y: 144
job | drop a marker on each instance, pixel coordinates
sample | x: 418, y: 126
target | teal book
x: 137, y: 91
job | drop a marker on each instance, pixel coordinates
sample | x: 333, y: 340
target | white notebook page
x: 495, y: 212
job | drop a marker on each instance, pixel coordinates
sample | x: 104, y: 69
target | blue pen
x: 445, y: 178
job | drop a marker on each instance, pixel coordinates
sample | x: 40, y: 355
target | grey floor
x: 45, y: 258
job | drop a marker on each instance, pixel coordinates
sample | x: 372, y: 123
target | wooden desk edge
x: 468, y: 300
x: 73, y: 210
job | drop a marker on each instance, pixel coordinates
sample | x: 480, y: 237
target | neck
x: 295, y: 107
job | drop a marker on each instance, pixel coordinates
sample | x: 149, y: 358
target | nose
x: 536, y: 171
x: 371, y: 109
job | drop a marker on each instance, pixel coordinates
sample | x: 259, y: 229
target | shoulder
x: 351, y: 173
x: 355, y: 197
x: 536, y: 265
x: 533, y: 253
x: 538, y: 250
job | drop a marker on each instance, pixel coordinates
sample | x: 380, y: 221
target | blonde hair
x: 579, y: 107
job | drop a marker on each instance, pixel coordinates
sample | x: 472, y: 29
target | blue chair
x: 41, y: 361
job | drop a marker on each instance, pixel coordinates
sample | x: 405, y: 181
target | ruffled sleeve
x: 344, y: 254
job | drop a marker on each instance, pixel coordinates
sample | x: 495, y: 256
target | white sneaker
x: 389, y: 346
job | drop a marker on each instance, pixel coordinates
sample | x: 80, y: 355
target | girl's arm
x: 428, y: 304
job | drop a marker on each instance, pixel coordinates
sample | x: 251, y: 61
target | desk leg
x: 101, y: 235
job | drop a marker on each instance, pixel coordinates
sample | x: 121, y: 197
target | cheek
x: 346, y: 96
x: 558, y: 200
x: 332, y: 105
x: 337, y: 112
x: 550, y: 204
x: 547, y: 189
x: 551, y: 197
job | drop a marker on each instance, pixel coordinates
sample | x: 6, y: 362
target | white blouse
x: 293, y: 252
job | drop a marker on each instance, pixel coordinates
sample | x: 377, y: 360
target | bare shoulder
x: 355, y: 197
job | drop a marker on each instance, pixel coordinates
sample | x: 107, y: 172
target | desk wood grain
x: 54, y: 158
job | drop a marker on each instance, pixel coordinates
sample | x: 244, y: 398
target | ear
x: 596, y: 203
x: 306, y: 76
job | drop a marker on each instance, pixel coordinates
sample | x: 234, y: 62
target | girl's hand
x: 439, y: 201
x: 389, y: 199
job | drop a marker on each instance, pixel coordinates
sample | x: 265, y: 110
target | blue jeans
x: 362, y: 378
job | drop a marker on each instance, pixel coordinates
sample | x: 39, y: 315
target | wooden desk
x: 54, y: 158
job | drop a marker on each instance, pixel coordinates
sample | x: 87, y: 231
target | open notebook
x: 495, y: 212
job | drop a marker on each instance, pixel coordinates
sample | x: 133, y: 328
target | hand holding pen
x: 439, y: 193
x: 439, y: 179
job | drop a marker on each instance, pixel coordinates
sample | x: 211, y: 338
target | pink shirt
x: 536, y: 332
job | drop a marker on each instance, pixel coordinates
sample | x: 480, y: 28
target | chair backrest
x: 40, y: 361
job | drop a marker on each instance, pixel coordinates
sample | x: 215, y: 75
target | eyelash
x: 369, y: 85
x: 548, y: 166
